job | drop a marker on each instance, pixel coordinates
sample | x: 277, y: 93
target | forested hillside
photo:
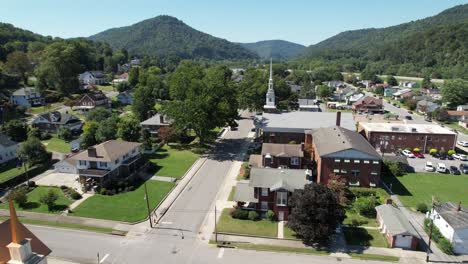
x: 276, y: 49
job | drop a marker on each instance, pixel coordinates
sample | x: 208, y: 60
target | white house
x: 66, y: 166
x: 7, y: 149
x: 93, y: 78
x: 27, y: 97
x: 452, y: 221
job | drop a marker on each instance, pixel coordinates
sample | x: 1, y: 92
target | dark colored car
x: 408, y: 117
x: 464, y: 168
x: 435, y: 155
x: 443, y: 157
x: 454, y: 170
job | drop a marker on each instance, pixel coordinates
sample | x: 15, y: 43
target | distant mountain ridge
x: 166, y: 36
x: 276, y: 49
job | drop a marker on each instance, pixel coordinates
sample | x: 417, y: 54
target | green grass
x: 414, y: 188
x: 374, y: 257
x: 58, y: 145
x: 41, y: 109
x: 231, y: 194
x: 172, y: 160
x: 127, y: 207
x: 363, y: 220
x: 364, y: 237
x: 107, y: 87
x: 289, y: 233
x: 9, y: 171
x: 265, y: 228
x: 33, y: 204
x: 259, y: 247
x: 455, y: 126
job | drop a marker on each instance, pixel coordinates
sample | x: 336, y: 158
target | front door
x: 93, y: 165
x: 280, y: 216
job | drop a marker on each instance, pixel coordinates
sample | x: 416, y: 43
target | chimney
x: 338, y: 118
x: 161, y: 119
x: 92, y: 152
x: 389, y: 201
x: 459, y: 207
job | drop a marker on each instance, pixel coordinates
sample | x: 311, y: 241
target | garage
x: 403, y: 241
x: 66, y: 166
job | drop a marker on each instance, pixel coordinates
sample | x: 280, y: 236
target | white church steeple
x: 270, y: 105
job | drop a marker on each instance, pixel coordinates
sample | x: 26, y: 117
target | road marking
x: 166, y: 223
x: 104, y: 258
x: 221, y: 253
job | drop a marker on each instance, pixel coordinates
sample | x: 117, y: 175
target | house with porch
x: 7, y: 148
x: 154, y: 123
x: 368, y: 104
x: 27, y: 97
x: 53, y: 121
x: 93, y: 78
x: 108, y: 161
x: 92, y: 100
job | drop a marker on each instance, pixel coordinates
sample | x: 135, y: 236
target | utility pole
x: 216, y: 228
x: 430, y: 232
x: 98, y: 259
x: 148, y: 206
x: 26, y: 172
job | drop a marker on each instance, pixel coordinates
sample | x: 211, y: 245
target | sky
x: 302, y: 21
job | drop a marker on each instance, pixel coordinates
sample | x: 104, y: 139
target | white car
x: 407, y: 153
x: 429, y: 166
x: 459, y: 156
x: 462, y: 143
x: 441, y: 168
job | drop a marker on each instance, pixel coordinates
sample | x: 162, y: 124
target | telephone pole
x: 428, y: 251
x: 148, y: 206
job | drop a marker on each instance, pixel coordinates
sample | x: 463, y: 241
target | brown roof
x: 457, y: 113
x: 369, y: 100
x: 282, y: 150
x: 255, y: 160
x: 108, y: 151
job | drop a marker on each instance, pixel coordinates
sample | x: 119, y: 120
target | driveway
x: 59, y: 179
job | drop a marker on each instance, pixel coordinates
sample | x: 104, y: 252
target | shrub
x: 63, y: 187
x: 20, y: 196
x: 49, y: 199
x: 432, y: 151
x: 451, y: 152
x: 416, y: 150
x: 103, y: 191
x: 442, y: 152
x: 421, y: 207
x: 240, y: 214
x: 270, y: 215
x: 253, y: 216
x: 445, y: 246
x: 443, y: 243
x: 32, y: 184
x: 365, y: 206
x: 75, y: 195
x: 292, y: 142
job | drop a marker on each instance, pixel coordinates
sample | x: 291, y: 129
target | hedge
x: 443, y: 243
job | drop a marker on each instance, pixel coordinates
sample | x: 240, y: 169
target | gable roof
x: 28, y: 90
x: 395, y: 222
x: 335, y: 139
x: 97, y: 74
x: 5, y: 141
x: 457, y: 113
x: 108, y: 151
x: 244, y: 193
x: 456, y: 219
x: 275, y: 179
x: 156, y: 120
x: 368, y: 100
x: 57, y: 117
x: 282, y: 150
x: 96, y: 95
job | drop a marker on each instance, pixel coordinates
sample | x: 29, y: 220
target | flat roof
x: 405, y: 128
x: 299, y: 121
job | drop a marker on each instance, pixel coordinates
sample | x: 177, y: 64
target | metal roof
x: 405, y: 128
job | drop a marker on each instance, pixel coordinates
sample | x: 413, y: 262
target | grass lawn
x: 353, y: 216
x: 9, y: 171
x: 364, y: 237
x: 58, y: 145
x: 34, y: 205
x: 228, y: 224
x: 455, y: 126
x: 363, y: 220
x: 42, y: 109
x: 107, y: 87
x: 231, y: 194
x: 172, y: 160
x: 414, y: 188
x: 289, y: 233
x: 258, y: 247
x: 374, y: 257
x: 127, y: 207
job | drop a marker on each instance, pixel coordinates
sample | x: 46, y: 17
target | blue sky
x: 301, y: 21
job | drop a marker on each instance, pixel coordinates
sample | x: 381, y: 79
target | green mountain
x: 166, y: 36
x: 436, y: 45
x: 276, y: 49
x: 13, y: 38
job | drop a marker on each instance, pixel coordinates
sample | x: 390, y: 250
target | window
x: 82, y: 162
x: 344, y: 171
x: 355, y: 173
x: 366, y: 162
x: 294, y: 161
x: 282, y: 198
x: 102, y: 164
x: 264, y: 191
x: 264, y: 206
x: 347, y: 161
x: 375, y: 162
x: 444, y: 140
x: 337, y: 160
x: 400, y: 137
x: 374, y: 173
x: 357, y: 161
x: 393, y: 137
x: 429, y: 138
x: 336, y: 170
x: 117, y: 161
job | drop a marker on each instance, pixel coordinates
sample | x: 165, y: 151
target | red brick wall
x: 271, y: 200
x: 283, y: 138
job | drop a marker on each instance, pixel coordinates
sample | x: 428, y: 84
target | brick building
x: 368, y: 104
x: 92, y: 100
x: 282, y: 155
x: 347, y: 154
x: 389, y: 137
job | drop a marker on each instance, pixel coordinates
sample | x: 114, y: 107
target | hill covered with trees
x: 276, y: 49
x: 166, y: 37
x: 435, y: 46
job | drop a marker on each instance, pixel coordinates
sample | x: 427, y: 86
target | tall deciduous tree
x: 392, y: 81
x: 143, y: 102
x: 33, y: 152
x: 324, y: 91
x: 252, y: 90
x: 315, y: 213
x: 455, y: 92
x: 129, y: 128
x: 18, y: 63
x: 16, y: 130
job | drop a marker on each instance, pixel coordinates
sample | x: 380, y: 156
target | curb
x: 254, y: 236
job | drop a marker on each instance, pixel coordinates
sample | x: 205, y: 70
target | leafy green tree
x: 98, y: 114
x: 379, y: 91
x: 89, y: 134
x: 324, y: 91
x: 426, y: 82
x: 19, y: 195
x: 252, y: 90
x: 122, y: 87
x: 143, y: 102
x: 455, y: 92
x: 440, y: 114
x: 129, y: 128
x: 391, y: 80
x: 16, y: 130
x: 107, y: 129
x: 307, y: 91
x: 33, y: 152
x: 49, y: 199
x: 65, y: 134
x: 18, y: 63
x: 315, y: 213
x: 133, y: 76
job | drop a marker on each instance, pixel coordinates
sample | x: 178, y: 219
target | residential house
x: 18, y: 245
x: 368, y: 104
x: 285, y: 127
x: 396, y: 228
x: 270, y: 189
x: 294, y: 87
x: 121, y: 78
x: 108, y: 161
x: 389, y: 91
x: 434, y: 93
x: 462, y: 108
x: 92, y: 100
x: 345, y: 153
x: 452, y: 221
x: 125, y: 98
x: 7, y: 148
x: 308, y: 105
x: 93, y: 78
x: 124, y: 67
x: 426, y: 106
x: 351, y: 99
x: 390, y: 137
x: 282, y: 155
x: 408, y: 84
x: 335, y: 84
x: 457, y: 115
x: 340, y: 94
x: 403, y: 93
x: 135, y: 62
x: 53, y: 121
x: 68, y: 165
x: 155, y: 122
x: 27, y: 97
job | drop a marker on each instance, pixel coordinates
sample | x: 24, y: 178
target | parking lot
x: 418, y: 163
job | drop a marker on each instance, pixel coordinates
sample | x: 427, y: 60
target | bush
x: 432, y: 151
x: 365, y: 206
x: 240, y: 214
x: 63, y: 187
x: 75, y: 195
x: 445, y: 246
x: 103, y: 191
x: 443, y: 243
x: 416, y: 150
x: 451, y: 152
x: 421, y: 207
x: 253, y: 216
x: 270, y: 215
x: 20, y: 196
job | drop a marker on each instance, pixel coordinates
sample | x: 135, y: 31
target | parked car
x: 454, y: 170
x: 418, y: 154
x: 398, y: 106
x: 410, y: 112
x: 408, y: 117
x: 443, y: 156
x: 462, y: 143
x: 441, y: 168
x: 435, y: 155
x: 429, y: 166
x: 407, y: 153
x: 460, y: 156
x: 428, y: 119
x: 464, y: 168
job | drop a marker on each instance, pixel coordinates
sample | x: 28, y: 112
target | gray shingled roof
x: 274, y: 179
x: 334, y: 139
x: 156, y: 120
x: 61, y: 118
x: 456, y: 219
x: 108, y: 151
x: 282, y: 150
x: 244, y: 193
x: 395, y: 221
x: 5, y: 141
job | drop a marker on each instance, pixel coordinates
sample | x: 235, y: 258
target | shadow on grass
x: 396, y: 186
x: 357, y: 236
x: 30, y: 205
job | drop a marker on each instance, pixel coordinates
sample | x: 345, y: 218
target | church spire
x: 270, y: 105
x: 270, y: 81
x: 16, y: 234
